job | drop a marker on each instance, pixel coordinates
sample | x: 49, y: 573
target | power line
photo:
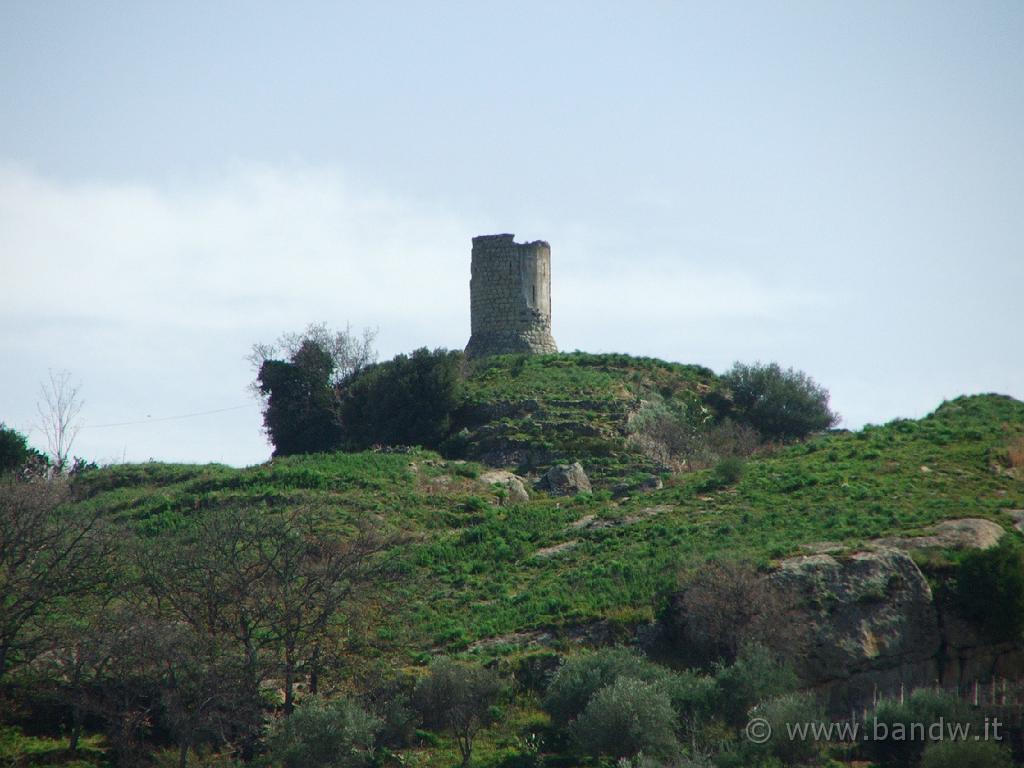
x: 169, y: 418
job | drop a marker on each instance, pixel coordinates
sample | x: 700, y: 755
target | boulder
x: 967, y: 533
x: 515, y: 488
x: 565, y: 480
x: 865, y: 618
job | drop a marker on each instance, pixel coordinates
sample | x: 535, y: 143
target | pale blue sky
x: 836, y: 186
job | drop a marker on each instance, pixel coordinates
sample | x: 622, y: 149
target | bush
x: 406, y: 401
x: 966, y: 754
x: 320, y: 734
x: 14, y: 450
x: 990, y: 589
x: 299, y: 416
x: 754, y: 678
x: 724, y: 606
x: 780, y: 404
x: 783, y: 712
x: 579, y: 678
x: 726, y: 473
x: 921, y: 710
x: 681, y: 436
x: 626, y: 718
x: 459, y: 698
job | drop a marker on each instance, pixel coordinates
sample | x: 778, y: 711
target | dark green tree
x: 406, y: 401
x: 990, y: 589
x: 780, y: 404
x: 627, y: 718
x: 14, y: 449
x: 300, y: 414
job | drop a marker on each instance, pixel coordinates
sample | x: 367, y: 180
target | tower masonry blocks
x: 510, y: 297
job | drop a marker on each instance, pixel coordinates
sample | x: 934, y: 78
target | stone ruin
x: 510, y: 297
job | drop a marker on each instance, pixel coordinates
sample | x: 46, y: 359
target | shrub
x: 579, y: 678
x: 990, y: 589
x: 299, y: 415
x: 626, y: 718
x: 406, y: 401
x: 14, y: 450
x: 1015, y: 453
x: 780, y: 404
x: 755, y: 677
x: 966, y: 754
x: 727, y: 472
x: 320, y: 734
x: 921, y: 710
x: 724, y: 606
x: 783, y: 712
x: 459, y: 698
x: 686, y: 437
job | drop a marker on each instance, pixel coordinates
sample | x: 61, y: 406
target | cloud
x: 152, y: 294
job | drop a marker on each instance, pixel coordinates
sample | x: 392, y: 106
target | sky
x: 838, y: 187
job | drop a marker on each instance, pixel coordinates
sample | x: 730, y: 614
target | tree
x: 990, y: 589
x: 580, y: 677
x: 459, y: 698
x: 297, y: 377
x: 14, y: 450
x: 966, y: 754
x: 349, y: 353
x: 756, y: 677
x: 627, y: 718
x: 780, y: 404
x: 274, y: 587
x: 921, y: 710
x: 59, y: 410
x: 337, y: 734
x: 406, y: 401
x: 300, y: 413
x: 48, y: 553
x: 724, y: 606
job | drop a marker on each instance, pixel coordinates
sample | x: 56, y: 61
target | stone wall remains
x: 510, y: 297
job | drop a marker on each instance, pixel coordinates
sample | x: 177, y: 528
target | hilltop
x: 469, y: 558
x: 483, y: 570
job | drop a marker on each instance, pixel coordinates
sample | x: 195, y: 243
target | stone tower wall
x: 510, y: 297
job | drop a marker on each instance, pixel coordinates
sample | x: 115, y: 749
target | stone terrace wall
x: 510, y: 297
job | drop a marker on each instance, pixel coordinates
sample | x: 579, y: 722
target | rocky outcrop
x: 864, y: 621
x: 513, y: 486
x: 967, y: 533
x: 565, y: 480
x: 868, y: 623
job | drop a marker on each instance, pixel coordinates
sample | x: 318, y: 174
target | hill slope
x: 480, y: 576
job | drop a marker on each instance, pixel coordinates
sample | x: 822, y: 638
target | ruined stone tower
x: 510, y: 297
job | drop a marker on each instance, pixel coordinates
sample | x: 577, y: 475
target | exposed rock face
x: 565, y: 480
x: 514, y: 486
x: 968, y: 533
x: 869, y: 623
x: 869, y: 619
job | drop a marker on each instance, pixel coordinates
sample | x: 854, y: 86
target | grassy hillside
x: 532, y: 411
x: 483, y: 578
x: 472, y: 575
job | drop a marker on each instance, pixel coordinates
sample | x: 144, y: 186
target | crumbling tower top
x: 510, y: 297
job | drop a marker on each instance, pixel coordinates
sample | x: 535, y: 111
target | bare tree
x: 349, y: 352
x: 59, y: 408
x: 727, y: 605
x: 45, y: 557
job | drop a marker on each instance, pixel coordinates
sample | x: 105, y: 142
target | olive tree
x: 459, y: 698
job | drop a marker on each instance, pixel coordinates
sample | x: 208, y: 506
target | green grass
x: 17, y: 749
x: 471, y: 565
x: 557, y: 407
x: 471, y: 570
